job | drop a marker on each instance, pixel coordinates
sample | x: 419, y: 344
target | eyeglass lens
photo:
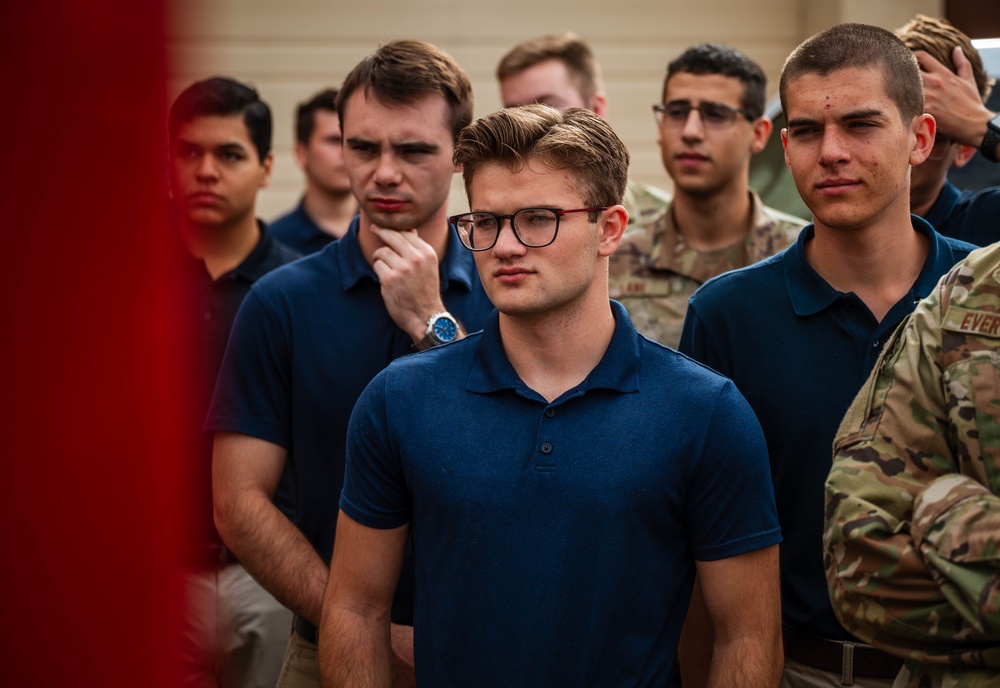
x: 712, y: 114
x: 533, y: 226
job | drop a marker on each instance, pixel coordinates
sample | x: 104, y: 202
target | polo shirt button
x: 550, y: 412
x: 546, y: 447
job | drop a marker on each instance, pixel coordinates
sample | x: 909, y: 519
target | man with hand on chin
x: 309, y: 338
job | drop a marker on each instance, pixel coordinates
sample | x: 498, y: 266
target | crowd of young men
x: 549, y: 497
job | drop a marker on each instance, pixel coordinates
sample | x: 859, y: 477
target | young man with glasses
x: 562, y: 476
x: 709, y: 125
x: 313, y: 334
x: 954, y: 82
x: 799, y: 332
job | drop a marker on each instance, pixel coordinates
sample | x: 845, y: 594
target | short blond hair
x: 575, y: 139
x: 568, y: 48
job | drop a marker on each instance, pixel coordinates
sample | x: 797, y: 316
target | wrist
x: 991, y: 139
x: 441, y: 328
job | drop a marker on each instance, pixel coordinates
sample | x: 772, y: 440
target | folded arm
x: 245, y: 474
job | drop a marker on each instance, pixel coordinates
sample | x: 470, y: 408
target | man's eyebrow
x: 358, y: 141
x: 868, y: 113
x: 231, y: 146
x: 416, y: 145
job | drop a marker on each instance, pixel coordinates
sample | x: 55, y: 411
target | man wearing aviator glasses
x: 709, y: 125
x: 563, y: 478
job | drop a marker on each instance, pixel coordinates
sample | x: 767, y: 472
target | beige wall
x: 291, y: 48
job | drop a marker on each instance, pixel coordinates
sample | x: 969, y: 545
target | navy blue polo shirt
x: 299, y: 231
x: 555, y: 542
x: 799, y: 351
x: 213, y: 304
x: 972, y: 217
x: 306, y: 341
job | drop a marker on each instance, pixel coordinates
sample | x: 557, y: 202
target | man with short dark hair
x: 710, y: 123
x: 954, y: 80
x: 562, y: 477
x: 311, y: 336
x: 560, y: 70
x: 327, y: 206
x: 220, y: 156
x: 799, y: 332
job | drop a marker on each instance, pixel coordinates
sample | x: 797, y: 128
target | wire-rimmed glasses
x: 713, y: 115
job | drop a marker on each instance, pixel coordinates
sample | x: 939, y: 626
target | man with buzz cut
x: 310, y: 336
x: 710, y: 122
x: 799, y: 332
x: 560, y: 70
x: 220, y: 157
x: 562, y: 476
x: 327, y: 207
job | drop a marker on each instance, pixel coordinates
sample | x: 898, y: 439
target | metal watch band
x: 430, y: 340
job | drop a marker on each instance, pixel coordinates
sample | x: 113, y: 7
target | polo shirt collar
x: 811, y: 294
x: 255, y: 265
x: 304, y: 217
x: 618, y: 369
x: 457, y: 267
x: 943, y: 206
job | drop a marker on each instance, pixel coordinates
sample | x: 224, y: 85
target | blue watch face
x: 445, y: 329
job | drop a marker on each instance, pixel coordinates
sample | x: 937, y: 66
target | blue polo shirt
x: 799, y: 351
x: 555, y: 542
x: 212, y: 305
x: 972, y: 217
x: 306, y: 341
x: 300, y: 232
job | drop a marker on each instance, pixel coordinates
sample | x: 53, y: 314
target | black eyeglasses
x: 713, y: 115
x: 533, y: 227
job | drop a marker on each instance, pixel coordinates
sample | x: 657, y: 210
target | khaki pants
x: 234, y: 631
x: 301, y: 666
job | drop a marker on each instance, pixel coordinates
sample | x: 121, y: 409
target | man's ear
x: 963, y: 156
x: 924, y: 127
x: 300, y: 154
x: 762, y: 127
x: 599, y: 105
x: 268, y: 166
x: 612, y: 223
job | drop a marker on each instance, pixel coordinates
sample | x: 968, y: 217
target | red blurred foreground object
x: 91, y: 346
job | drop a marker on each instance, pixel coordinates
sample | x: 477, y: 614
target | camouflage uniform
x: 645, y: 204
x: 912, y: 538
x: 653, y: 273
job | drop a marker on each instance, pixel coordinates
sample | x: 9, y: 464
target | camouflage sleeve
x: 912, y: 517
